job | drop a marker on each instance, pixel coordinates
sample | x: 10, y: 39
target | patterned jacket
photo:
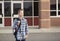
x: 23, y: 30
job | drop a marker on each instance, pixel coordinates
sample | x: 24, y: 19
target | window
x: 59, y: 4
x: 0, y: 8
x: 35, y: 8
x: 28, y: 8
x: 59, y: 13
x: 53, y: 13
x: 0, y: 20
x: 16, y: 7
x: 58, y: 7
x: 55, y: 7
x: 31, y: 12
x: 7, y: 9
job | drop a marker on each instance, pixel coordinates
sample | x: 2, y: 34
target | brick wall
x: 55, y: 21
x: 7, y: 21
x: 44, y: 14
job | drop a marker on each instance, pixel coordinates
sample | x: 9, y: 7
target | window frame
x: 32, y: 13
x: 57, y: 10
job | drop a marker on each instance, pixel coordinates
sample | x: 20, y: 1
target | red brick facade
x: 44, y: 16
x: 55, y: 21
x: 7, y: 21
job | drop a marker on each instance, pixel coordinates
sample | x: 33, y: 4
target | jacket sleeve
x: 14, y: 25
x: 26, y: 28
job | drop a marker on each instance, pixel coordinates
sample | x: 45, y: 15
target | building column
x: 44, y: 13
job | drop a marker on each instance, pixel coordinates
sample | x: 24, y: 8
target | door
x: 16, y: 5
x: 1, y: 15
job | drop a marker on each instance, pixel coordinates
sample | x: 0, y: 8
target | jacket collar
x: 22, y: 18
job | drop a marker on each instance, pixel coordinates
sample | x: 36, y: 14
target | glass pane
x: 7, y: 0
x: 28, y: 8
x: 16, y: 7
x: 0, y: 20
x: 36, y: 21
x: 7, y: 9
x: 53, y: 13
x: 59, y: 4
x: 35, y: 8
x: 29, y: 21
x: 0, y: 8
x: 58, y: 13
x: 53, y: 4
x: 27, y: 0
x: 17, y: 0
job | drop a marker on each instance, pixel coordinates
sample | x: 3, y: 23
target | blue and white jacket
x: 23, y: 30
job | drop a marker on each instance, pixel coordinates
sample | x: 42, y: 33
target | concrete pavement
x: 43, y: 34
x: 41, y: 30
x: 33, y: 37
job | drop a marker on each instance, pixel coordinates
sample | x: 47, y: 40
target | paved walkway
x: 33, y: 37
x: 47, y: 34
x: 41, y: 30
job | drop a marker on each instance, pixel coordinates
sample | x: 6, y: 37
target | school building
x: 39, y: 13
